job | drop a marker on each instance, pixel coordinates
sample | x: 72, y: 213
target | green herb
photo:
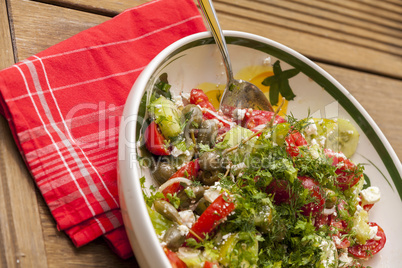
x: 174, y: 200
x: 162, y: 87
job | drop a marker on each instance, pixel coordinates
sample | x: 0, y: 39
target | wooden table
x: 359, y: 42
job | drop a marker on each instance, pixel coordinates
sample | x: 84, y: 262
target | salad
x: 250, y: 188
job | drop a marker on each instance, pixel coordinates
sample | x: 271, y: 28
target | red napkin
x: 63, y: 106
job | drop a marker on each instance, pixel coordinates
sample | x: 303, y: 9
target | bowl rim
x: 128, y: 177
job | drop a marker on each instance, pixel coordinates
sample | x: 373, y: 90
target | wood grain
x: 21, y: 240
x: 28, y: 218
x: 359, y: 42
x: 346, y: 33
x: 317, y: 42
x: 380, y: 97
x: 40, y: 28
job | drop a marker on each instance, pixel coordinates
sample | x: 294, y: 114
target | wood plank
x: 383, y: 103
x: 60, y: 249
x: 380, y: 9
x: 313, y: 24
x: 105, y: 7
x: 364, y: 10
x: 393, y: 3
x: 316, y: 47
x: 33, y: 35
x: 36, y: 33
x: 350, y: 32
x: 22, y: 243
x: 338, y: 14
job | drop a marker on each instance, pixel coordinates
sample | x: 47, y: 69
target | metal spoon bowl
x: 237, y: 93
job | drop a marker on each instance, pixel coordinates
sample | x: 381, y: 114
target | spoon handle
x: 212, y: 20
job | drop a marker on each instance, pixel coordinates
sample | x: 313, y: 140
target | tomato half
x: 154, y: 140
x: 280, y: 191
x: 293, y: 141
x: 174, y: 260
x: 198, y: 97
x: 255, y: 118
x: 317, y: 205
x: 371, y: 247
x: 348, y: 174
x: 209, y: 264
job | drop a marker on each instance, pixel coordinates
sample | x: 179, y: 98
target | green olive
x: 167, y: 210
x: 209, y: 177
x: 174, y: 238
x: 163, y: 171
x: 209, y: 161
x: 263, y: 219
x: 202, y: 205
x: 190, y: 196
x: 330, y: 199
x: 207, y: 132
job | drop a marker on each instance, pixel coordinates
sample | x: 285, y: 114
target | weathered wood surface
x: 358, y: 42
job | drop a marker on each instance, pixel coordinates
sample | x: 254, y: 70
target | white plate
x: 194, y: 60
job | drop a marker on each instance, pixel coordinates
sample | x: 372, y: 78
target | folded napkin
x: 63, y: 106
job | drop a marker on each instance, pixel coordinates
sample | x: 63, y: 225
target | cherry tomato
x: 255, y: 118
x: 348, y: 173
x: 371, y: 247
x: 209, y: 264
x: 332, y: 220
x: 293, y: 141
x: 212, y: 216
x: 321, y: 220
x: 339, y: 241
x: 154, y: 140
x: 189, y: 171
x: 280, y: 190
x: 366, y: 207
x: 198, y: 97
x: 317, y: 205
x: 174, y: 260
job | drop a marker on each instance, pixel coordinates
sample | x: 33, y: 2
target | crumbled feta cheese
x: 187, y: 217
x: 185, y: 95
x: 358, y: 209
x: 329, y: 211
x: 183, y: 230
x: 322, y: 140
x: 226, y: 236
x: 328, y: 248
x: 371, y: 195
x: 311, y: 128
x: 237, y: 168
x: 345, y: 260
x: 373, y: 233
x: 337, y: 240
x: 178, y: 100
x: 239, y: 113
x: 339, y: 155
x: 211, y: 194
x: 176, y: 152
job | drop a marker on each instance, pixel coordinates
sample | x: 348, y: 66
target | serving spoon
x: 237, y: 93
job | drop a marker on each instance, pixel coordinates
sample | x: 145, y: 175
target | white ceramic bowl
x: 194, y: 60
